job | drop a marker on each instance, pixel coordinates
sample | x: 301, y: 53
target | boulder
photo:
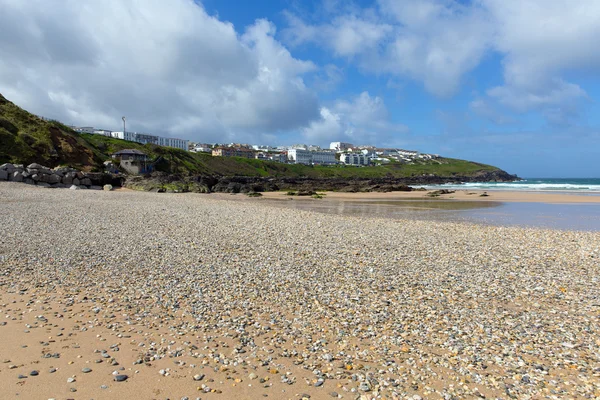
x: 52, y: 179
x: 35, y: 166
x: 86, y: 181
x: 74, y: 187
x: 17, y: 176
x: 108, y: 188
x: 67, y: 180
x: 76, y: 182
x: 79, y: 175
x: 36, y: 177
x: 8, y: 167
x: 3, y: 175
x: 44, y: 184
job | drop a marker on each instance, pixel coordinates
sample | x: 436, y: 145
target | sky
x: 510, y: 83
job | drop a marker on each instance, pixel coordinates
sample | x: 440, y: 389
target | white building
x: 103, y: 132
x: 340, y: 146
x: 152, y: 139
x: 124, y: 135
x: 173, y: 142
x: 355, y: 159
x: 84, y: 129
x: 323, y: 157
x: 300, y: 156
x: 202, y: 149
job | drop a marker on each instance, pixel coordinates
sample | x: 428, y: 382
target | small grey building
x: 133, y: 161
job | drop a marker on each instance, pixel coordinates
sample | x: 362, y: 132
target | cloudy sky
x: 508, y: 82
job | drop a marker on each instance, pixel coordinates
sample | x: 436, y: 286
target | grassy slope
x: 201, y: 163
x: 25, y: 138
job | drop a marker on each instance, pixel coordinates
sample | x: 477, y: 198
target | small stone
x: 121, y: 378
x: 34, y: 373
x: 21, y: 376
x: 70, y: 380
x: 86, y: 370
x: 198, y: 377
x: 252, y: 375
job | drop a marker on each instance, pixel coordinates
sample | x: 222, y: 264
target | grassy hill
x: 26, y: 138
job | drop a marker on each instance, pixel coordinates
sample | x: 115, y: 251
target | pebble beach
x: 123, y: 294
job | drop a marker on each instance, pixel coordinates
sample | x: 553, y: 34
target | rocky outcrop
x: 162, y: 182
x: 59, y: 177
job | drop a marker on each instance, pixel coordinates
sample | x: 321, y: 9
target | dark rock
x: 121, y: 378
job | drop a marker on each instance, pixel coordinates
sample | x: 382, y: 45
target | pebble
x: 120, y: 378
x: 86, y: 370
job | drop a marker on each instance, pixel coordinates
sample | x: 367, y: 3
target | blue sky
x: 505, y: 82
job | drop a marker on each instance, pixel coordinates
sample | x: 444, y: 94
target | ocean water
x: 573, y: 185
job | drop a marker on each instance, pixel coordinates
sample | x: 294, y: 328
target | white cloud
x: 541, y: 39
x: 365, y: 119
x: 346, y: 35
x: 433, y: 42
x: 168, y: 66
x: 438, y: 42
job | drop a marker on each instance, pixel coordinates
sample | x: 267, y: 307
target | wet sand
x: 461, y: 195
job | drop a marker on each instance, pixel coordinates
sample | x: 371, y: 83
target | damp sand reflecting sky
x: 556, y: 216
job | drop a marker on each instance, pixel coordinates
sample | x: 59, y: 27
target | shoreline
x: 458, y: 195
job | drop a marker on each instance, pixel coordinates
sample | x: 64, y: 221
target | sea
x: 561, y: 185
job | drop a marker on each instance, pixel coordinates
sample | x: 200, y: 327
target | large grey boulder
x: 86, y: 181
x: 67, y: 180
x: 35, y: 166
x: 108, y: 188
x: 76, y: 182
x: 17, y: 176
x: 53, y: 179
x: 74, y: 187
x: 8, y: 167
x: 3, y: 175
x: 36, y: 177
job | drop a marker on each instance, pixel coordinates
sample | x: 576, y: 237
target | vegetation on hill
x: 26, y: 138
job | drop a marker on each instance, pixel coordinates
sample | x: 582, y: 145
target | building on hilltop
x: 355, y: 159
x: 340, y: 146
x: 145, y: 138
x: 301, y: 156
x: 222, y: 151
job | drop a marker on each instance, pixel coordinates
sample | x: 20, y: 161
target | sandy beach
x: 124, y: 294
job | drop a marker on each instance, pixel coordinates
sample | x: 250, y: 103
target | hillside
x: 26, y: 138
